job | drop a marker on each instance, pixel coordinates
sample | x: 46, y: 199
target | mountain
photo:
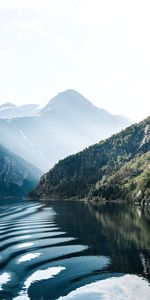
x: 17, y: 177
x: 131, y: 181
x: 118, y: 167
x: 73, y: 107
x: 66, y: 125
x: 10, y: 110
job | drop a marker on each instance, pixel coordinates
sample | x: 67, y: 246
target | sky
x: 99, y: 48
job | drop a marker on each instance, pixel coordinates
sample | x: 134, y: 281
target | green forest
x: 115, y: 168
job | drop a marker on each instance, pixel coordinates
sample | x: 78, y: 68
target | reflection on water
x: 50, y: 251
x: 114, y: 288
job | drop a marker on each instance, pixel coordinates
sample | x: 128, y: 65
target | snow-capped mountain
x: 10, y: 110
x: 66, y: 125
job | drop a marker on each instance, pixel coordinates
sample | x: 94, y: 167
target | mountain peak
x: 69, y: 93
x: 68, y: 98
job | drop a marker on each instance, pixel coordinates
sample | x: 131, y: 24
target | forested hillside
x: 91, y: 173
x: 132, y: 181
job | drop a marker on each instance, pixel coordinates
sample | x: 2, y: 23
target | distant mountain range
x: 66, y: 125
x: 17, y: 177
x: 116, y: 168
x: 10, y: 110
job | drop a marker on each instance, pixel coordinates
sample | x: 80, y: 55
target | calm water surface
x: 48, y: 251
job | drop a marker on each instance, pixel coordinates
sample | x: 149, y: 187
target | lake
x: 73, y: 250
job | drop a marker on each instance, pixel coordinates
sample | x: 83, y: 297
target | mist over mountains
x: 10, y: 110
x: 66, y: 125
x: 17, y: 177
x: 116, y: 168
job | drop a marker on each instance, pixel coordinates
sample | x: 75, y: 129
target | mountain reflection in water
x: 48, y: 251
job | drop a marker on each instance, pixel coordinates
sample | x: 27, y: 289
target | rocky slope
x: 67, y: 124
x: 94, y: 171
x: 17, y: 177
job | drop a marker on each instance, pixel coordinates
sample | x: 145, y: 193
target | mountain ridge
x: 59, y: 130
x: 10, y: 110
x: 75, y: 176
x: 73, y: 98
x: 17, y: 176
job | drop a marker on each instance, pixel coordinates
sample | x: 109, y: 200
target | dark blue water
x: 48, y: 251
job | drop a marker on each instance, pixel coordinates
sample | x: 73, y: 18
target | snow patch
x: 42, y: 154
x: 24, y: 136
x: 5, y: 108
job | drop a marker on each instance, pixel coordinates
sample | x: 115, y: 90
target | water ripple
x: 32, y: 248
x: 47, y: 252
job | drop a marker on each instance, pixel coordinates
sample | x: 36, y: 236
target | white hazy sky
x: 101, y: 48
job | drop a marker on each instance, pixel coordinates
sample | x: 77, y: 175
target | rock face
x: 115, y: 168
x: 67, y: 124
x: 17, y: 177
